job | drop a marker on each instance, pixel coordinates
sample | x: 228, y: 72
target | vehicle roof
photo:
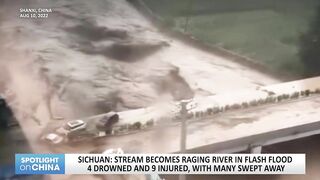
x: 109, y: 114
x: 75, y: 122
x: 51, y: 136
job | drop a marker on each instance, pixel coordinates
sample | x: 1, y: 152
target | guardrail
x: 216, y: 110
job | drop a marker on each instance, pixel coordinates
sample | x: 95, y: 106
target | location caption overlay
x: 160, y: 163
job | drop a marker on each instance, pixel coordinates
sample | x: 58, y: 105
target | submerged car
x: 53, y: 138
x: 107, y: 121
x: 72, y: 126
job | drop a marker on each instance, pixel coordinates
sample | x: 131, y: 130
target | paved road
x: 230, y: 126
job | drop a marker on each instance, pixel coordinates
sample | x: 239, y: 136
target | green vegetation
x: 266, y: 31
x: 255, y: 103
x: 136, y: 126
x: 310, y: 48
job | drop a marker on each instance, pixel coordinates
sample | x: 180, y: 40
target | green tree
x: 5, y: 113
x: 310, y: 47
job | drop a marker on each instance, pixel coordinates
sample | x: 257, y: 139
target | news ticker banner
x: 160, y: 163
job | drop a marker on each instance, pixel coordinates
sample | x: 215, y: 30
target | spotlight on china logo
x: 39, y: 163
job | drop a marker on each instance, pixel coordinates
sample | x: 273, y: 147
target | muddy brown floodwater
x: 104, y: 55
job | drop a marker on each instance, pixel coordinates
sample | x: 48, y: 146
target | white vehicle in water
x: 72, y: 126
x: 53, y: 138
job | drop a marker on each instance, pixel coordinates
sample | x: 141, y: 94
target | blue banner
x: 40, y: 164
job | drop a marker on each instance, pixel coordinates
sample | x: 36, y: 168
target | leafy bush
x: 150, y: 123
x: 235, y: 106
x: 295, y: 95
x: 286, y: 96
x: 136, y: 126
x: 307, y: 92
x: 253, y: 103
x: 210, y: 111
x: 245, y: 105
x: 261, y: 101
x: 216, y: 110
